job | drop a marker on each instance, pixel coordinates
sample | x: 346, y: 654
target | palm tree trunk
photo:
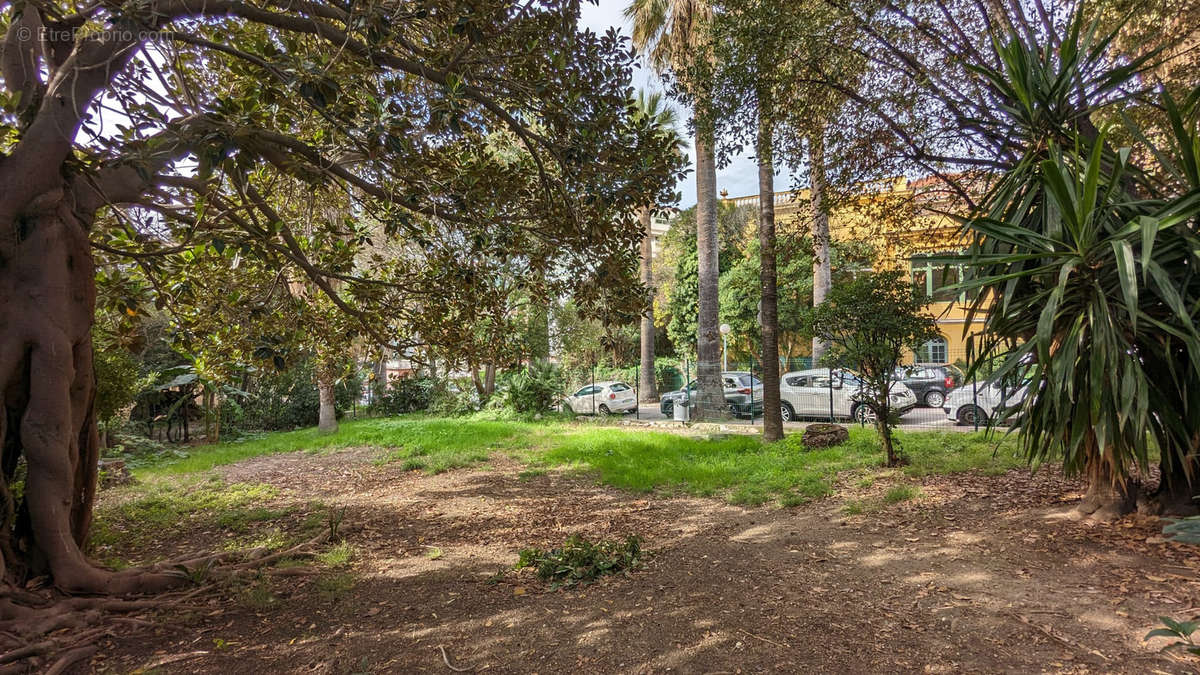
x: 646, y: 385
x: 711, y: 394
x: 820, y: 231
x: 769, y: 314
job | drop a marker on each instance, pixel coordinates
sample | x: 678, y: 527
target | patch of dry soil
x: 979, y: 575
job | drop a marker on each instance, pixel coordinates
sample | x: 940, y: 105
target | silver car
x: 983, y: 404
x: 819, y: 392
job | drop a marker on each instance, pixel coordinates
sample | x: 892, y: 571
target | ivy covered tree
x: 151, y: 127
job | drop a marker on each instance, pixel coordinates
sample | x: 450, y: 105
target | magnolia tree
x: 151, y: 128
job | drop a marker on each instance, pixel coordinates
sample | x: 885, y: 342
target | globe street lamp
x: 725, y: 329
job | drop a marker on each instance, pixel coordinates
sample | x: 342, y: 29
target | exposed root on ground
x: 49, y: 631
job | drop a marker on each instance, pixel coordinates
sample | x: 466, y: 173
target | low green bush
x: 581, y: 561
x: 400, y: 395
x: 535, y: 389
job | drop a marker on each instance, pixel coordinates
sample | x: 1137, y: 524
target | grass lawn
x: 735, y: 467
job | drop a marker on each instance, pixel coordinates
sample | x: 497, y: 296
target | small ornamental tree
x: 869, y: 324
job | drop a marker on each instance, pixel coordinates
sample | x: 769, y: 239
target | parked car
x: 602, y: 398
x: 807, y: 393
x: 930, y: 384
x: 743, y: 395
x: 984, y: 403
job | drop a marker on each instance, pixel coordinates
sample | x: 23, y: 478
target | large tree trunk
x: 327, y: 415
x: 711, y: 395
x: 822, y: 278
x: 1110, y: 495
x: 47, y: 388
x: 1178, y: 492
x: 646, y: 385
x: 769, y: 315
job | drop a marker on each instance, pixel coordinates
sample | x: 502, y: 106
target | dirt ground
x: 980, y: 574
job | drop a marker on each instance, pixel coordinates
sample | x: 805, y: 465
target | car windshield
x: 749, y: 381
x: 619, y: 386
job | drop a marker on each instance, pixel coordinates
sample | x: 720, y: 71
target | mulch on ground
x: 979, y: 574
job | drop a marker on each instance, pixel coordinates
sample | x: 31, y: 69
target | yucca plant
x: 1086, y: 263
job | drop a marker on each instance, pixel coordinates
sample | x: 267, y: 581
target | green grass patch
x: 901, y: 493
x: 738, y: 468
x: 856, y: 507
x: 334, y: 586
x: 162, y: 505
x: 338, y: 556
x: 424, y: 443
x: 940, y: 452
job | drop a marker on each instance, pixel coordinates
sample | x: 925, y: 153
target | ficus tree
x: 148, y: 127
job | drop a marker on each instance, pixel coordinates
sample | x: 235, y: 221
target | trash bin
x: 683, y: 411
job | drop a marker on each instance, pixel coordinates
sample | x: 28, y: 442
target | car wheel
x: 863, y: 414
x: 604, y: 411
x: 971, y: 415
x: 934, y: 398
x: 786, y: 412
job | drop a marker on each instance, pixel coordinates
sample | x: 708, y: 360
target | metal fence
x: 927, y: 395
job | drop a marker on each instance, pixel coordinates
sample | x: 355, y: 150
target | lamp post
x: 725, y: 329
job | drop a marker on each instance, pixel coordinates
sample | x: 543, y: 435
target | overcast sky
x: 740, y: 178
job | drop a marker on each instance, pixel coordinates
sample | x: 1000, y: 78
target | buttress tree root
x: 48, y: 631
x: 50, y: 445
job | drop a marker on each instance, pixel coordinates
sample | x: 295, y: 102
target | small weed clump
x: 581, y: 561
x: 901, y: 493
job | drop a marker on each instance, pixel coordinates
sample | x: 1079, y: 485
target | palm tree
x: 671, y: 34
x: 651, y: 108
x: 822, y: 271
x: 1085, y: 263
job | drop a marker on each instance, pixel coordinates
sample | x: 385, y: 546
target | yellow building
x: 905, y: 222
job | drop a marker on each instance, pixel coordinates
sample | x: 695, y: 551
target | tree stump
x: 824, y: 435
x: 114, y: 472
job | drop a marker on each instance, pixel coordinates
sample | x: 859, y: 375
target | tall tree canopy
x: 453, y: 128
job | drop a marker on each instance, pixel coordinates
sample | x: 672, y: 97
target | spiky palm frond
x: 652, y: 107
x: 1087, y: 267
x: 667, y: 32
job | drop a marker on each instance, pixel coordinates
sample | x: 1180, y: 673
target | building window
x: 934, y: 279
x: 934, y: 352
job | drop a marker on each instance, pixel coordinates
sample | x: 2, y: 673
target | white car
x: 807, y: 393
x: 602, y: 398
x: 982, y: 404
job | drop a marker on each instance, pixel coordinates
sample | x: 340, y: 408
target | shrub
x: 449, y: 398
x: 535, y: 389
x: 404, y: 395
x: 289, y: 400
x: 580, y: 561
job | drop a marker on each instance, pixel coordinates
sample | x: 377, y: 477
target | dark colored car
x: 743, y: 395
x: 930, y: 384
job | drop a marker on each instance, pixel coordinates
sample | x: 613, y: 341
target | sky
x: 740, y: 178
